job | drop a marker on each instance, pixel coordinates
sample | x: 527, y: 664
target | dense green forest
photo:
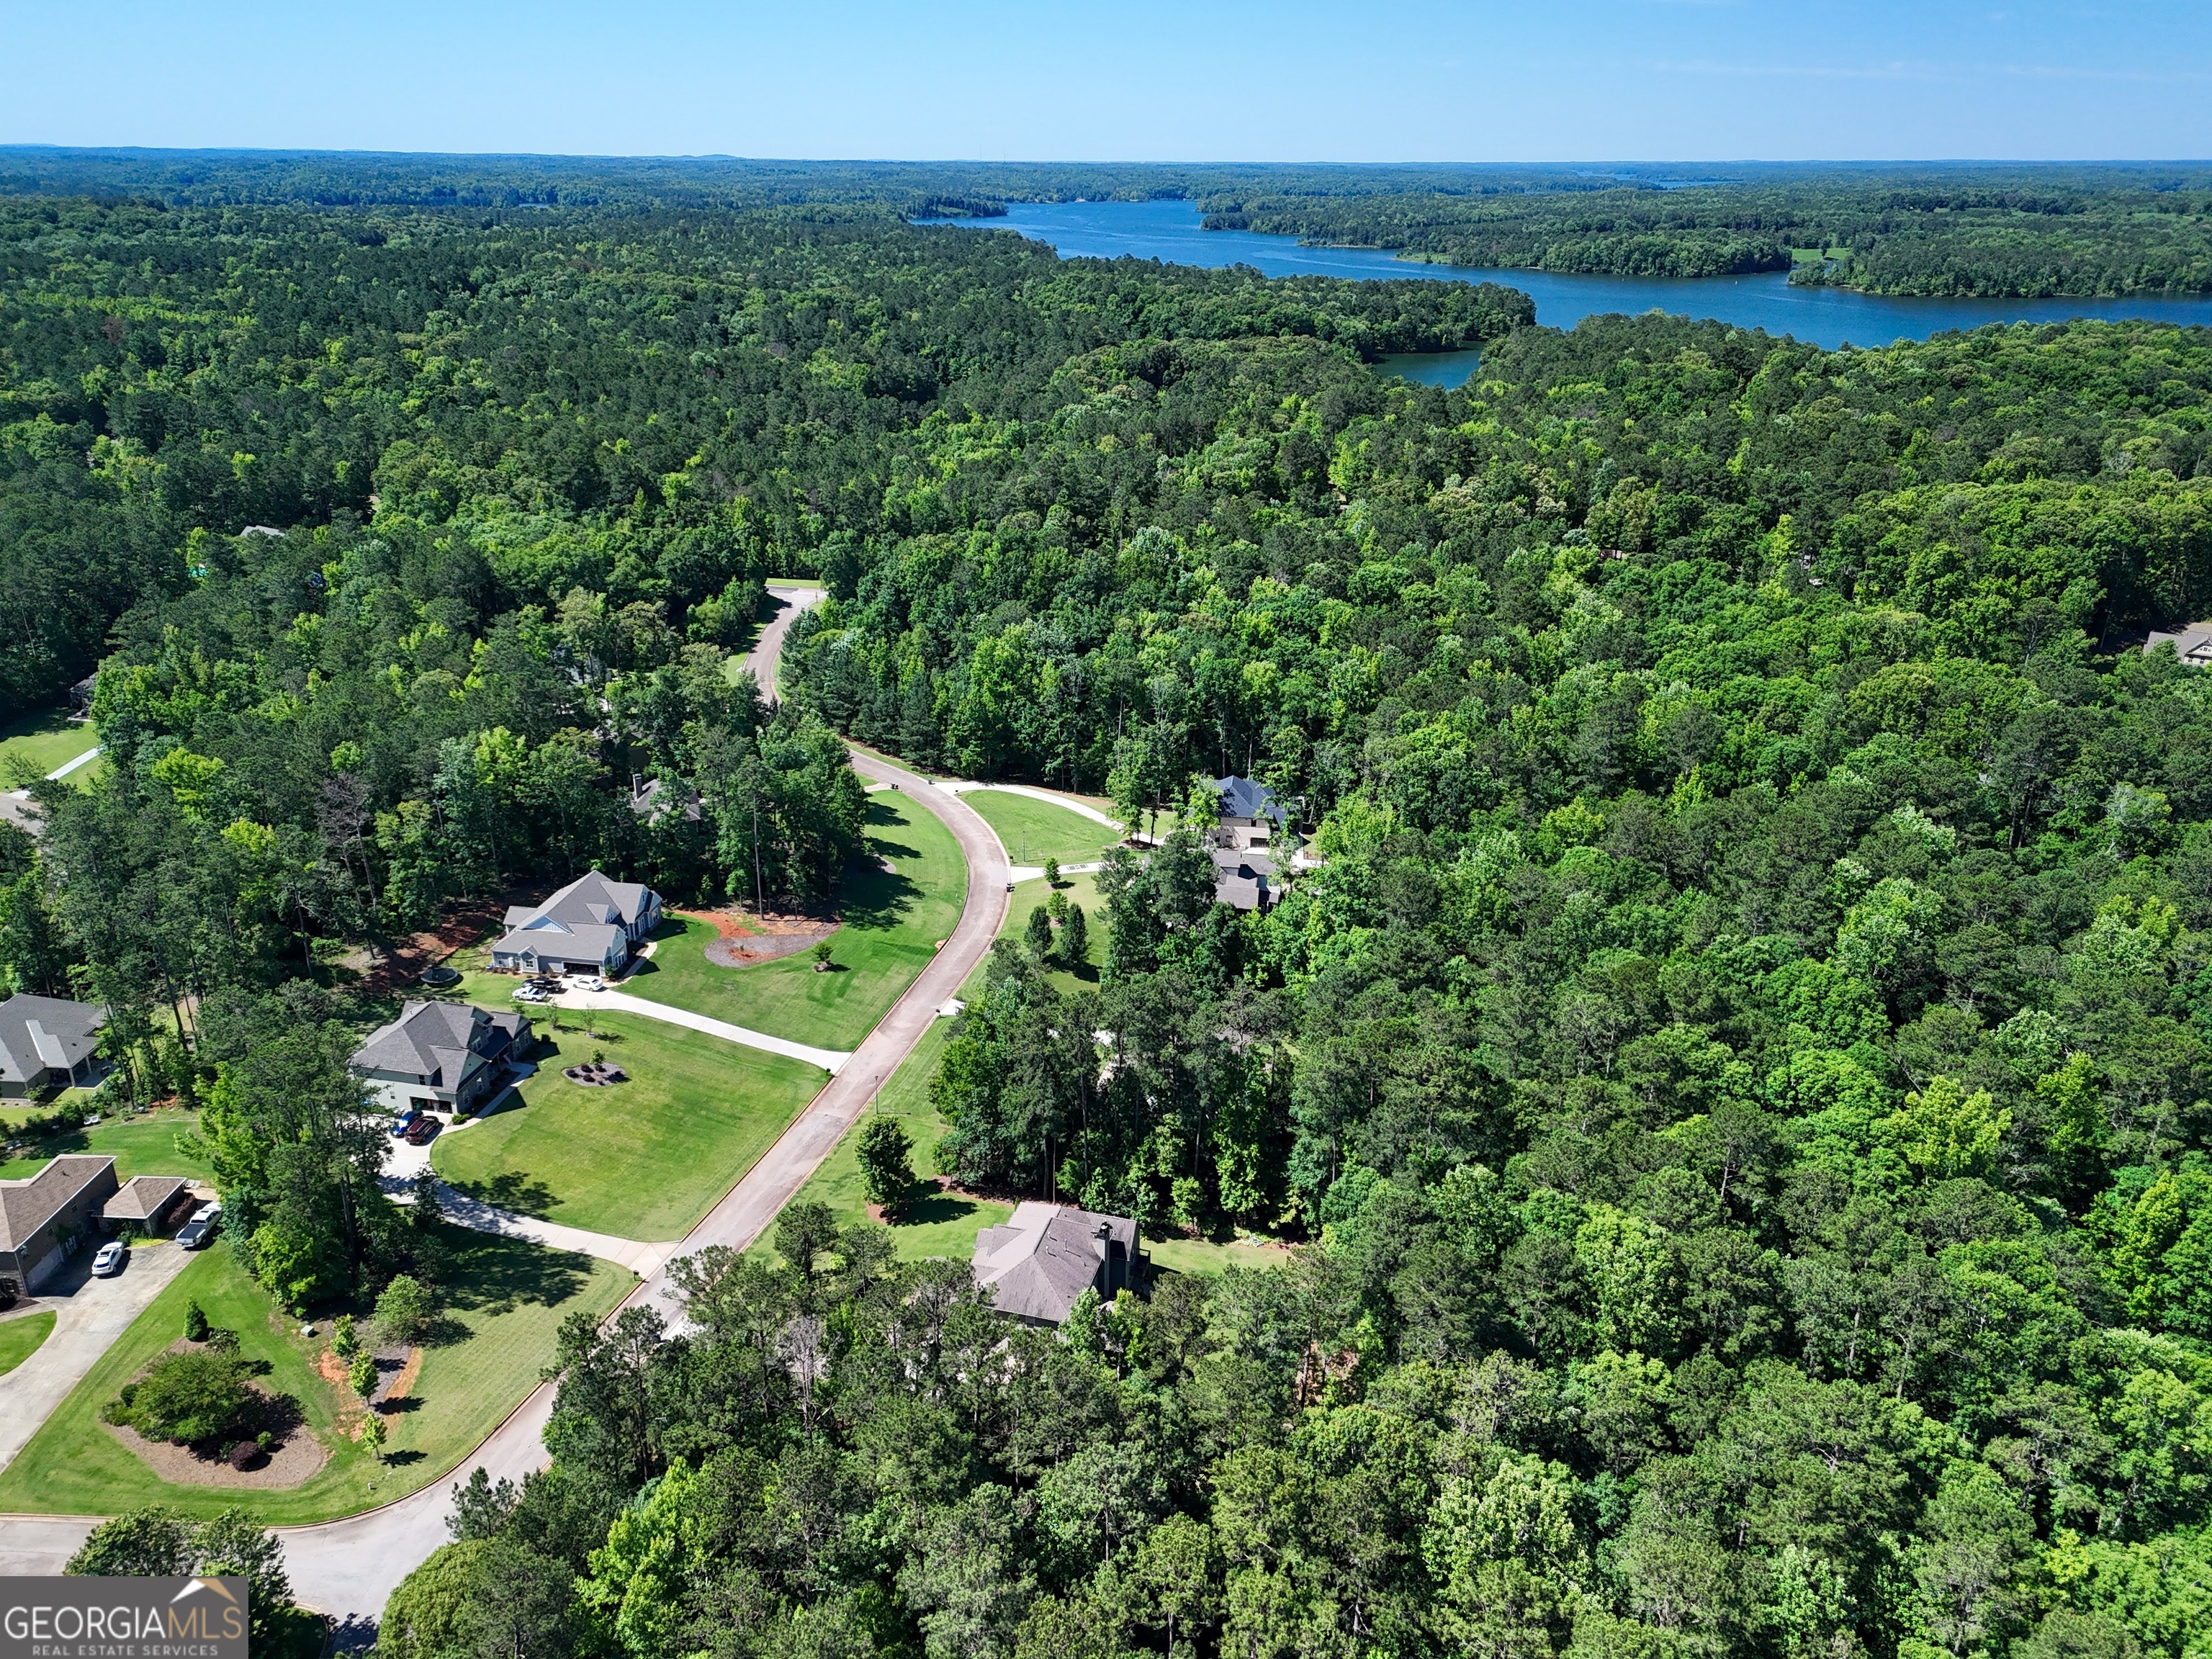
x: 1732, y: 1097
x: 1955, y: 229
x: 1987, y: 230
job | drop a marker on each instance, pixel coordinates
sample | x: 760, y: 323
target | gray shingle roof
x: 40, y: 1032
x: 1046, y: 1256
x: 579, y: 923
x: 443, y: 1042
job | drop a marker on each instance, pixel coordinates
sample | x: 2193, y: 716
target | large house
x: 44, y: 1217
x: 440, y: 1056
x: 589, y: 927
x: 1046, y: 1255
x: 48, y: 1042
x: 1250, y: 805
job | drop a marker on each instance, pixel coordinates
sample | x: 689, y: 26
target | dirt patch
x: 403, y: 1380
x: 743, y: 938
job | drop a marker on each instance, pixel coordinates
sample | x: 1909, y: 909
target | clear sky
x: 1127, y: 80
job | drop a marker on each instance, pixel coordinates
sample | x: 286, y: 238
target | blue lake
x: 1823, y: 316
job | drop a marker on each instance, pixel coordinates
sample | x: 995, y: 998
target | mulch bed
x: 744, y: 938
x: 296, y: 1460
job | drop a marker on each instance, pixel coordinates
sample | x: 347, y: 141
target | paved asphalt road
x: 347, y: 1568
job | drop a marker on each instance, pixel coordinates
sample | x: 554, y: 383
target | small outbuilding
x: 155, y: 1205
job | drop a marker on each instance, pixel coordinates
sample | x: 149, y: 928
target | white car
x: 109, y: 1262
x: 588, y: 982
x: 529, y: 993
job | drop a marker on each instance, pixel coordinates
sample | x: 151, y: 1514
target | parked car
x: 110, y: 1259
x: 529, y: 993
x: 195, y: 1233
x: 587, y: 983
x: 422, y: 1131
x: 405, y: 1122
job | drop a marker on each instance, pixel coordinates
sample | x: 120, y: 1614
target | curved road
x: 347, y: 1568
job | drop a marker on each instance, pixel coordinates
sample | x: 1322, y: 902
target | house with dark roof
x: 590, y: 926
x: 44, y: 1217
x: 440, y: 1056
x: 48, y: 1042
x: 155, y: 1205
x: 1247, y: 803
x: 1042, y: 1260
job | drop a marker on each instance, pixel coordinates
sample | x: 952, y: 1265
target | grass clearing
x: 20, y: 1338
x: 1032, y: 829
x: 40, y: 743
x: 1080, y: 890
x: 144, y: 1144
x: 932, y: 1222
x: 644, y: 1159
x: 893, y: 923
x: 504, y: 1304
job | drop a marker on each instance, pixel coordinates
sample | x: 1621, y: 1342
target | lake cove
x: 1831, y: 317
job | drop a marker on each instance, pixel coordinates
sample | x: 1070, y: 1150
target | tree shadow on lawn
x: 495, y: 1275
x: 874, y: 898
x: 926, y: 1203
x: 511, y: 1189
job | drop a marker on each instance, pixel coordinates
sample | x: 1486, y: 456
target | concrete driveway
x: 89, y: 1314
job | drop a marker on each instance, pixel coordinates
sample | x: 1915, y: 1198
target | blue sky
x: 1141, y: 79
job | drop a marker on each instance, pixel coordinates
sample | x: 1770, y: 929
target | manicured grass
x: 893, y: 921
x: 1031, y: 830
x: 505, y: 1302
x: 146, y: 1144
x: 933, y: 1222
x: 20, y: 1338
x: 644, y: 1159
x: 38, y: 743
x: 1199, y: 1255
x: 1080, y: 890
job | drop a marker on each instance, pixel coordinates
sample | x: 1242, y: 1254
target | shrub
x: 265, y: 1440
x: 1051, y: 871
x: 403, y: 1312
x: 222, y: 1341
x: 362, y: 1376
x: 188, y: 1397
x: 344, y: 1343
x: 885, y: 1172
x: 245, y: 1455
x: 196, y: 1322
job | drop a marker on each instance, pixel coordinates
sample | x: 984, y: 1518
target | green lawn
x: 38, y: 743
x: 933, y: 1223
x: 506, y: 1301
x: 1080, y: 890
x: 146, y: 1144
x: 645, y: 1159
x: 20, y: 1338
x: 1031, y: 830
x: 893, y: 921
